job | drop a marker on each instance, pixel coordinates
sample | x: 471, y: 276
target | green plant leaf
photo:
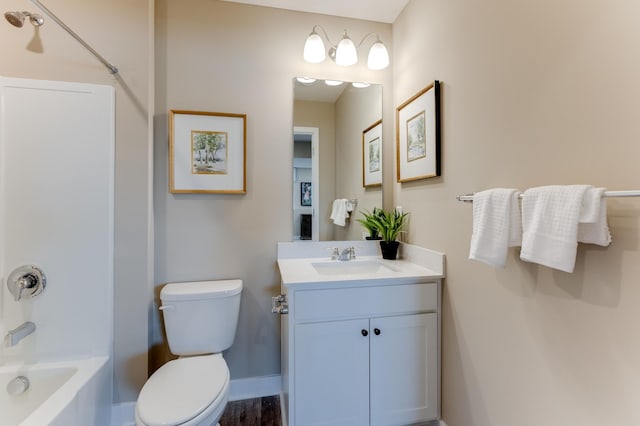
x: 388, y: 224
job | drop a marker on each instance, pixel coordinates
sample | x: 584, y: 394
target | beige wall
x: 121, y: 31
x: 533, y: 93
x: 356, y: 110
x: 218, y: 56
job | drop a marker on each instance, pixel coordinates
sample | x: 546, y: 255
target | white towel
x: 590, y: 211
x: 496, y: 225
x: 593, y: 227
x: 550, y: 216
x: 340, y: 211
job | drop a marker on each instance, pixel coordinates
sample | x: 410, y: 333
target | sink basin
x: 352, y: 267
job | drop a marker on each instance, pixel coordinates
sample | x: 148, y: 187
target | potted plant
x: 390, y: 225
x: 370, y: 224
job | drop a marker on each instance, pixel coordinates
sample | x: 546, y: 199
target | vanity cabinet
x: 358, y: 354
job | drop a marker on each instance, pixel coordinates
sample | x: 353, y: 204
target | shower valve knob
x: 26, y: 281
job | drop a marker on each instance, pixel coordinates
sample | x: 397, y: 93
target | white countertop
x: 415, y: 264
x: 303, y: 271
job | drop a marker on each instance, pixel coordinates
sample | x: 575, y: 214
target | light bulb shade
x: 306, y: 80
x: 314, y: 49
x: 378, y: 56
x: 346, y: 53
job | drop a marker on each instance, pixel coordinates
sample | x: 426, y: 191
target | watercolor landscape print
x: 209, y: 152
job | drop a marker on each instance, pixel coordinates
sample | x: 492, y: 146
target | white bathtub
x: 60, y: 393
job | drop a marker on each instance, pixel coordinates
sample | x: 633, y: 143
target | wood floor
x: 253, y: 412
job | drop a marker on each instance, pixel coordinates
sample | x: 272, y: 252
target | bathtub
x: 63, y: 393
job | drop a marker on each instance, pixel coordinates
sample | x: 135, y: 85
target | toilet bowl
x: 201, y: 383
x: 200, y: 322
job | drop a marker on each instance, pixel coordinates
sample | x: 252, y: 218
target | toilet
x: 200, y: 320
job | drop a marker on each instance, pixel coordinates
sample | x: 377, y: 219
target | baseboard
x: 283, y: 415
x: 123, y: 414
x: 255, y: 387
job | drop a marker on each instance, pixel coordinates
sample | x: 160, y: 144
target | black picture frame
x: 305, y: 194
x: 418, y: 134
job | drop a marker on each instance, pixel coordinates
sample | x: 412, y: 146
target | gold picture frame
x: 418, y: 135
x: 372, y: 155
x: 207, y: 152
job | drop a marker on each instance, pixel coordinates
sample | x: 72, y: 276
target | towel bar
x: 468, y: 198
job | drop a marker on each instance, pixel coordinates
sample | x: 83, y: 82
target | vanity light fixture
x: 360, y: 84
x: 345, y: 53
x: 306, y: 80
x: 333, y: 82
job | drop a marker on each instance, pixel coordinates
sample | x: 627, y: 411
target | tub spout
x: 14, y: 336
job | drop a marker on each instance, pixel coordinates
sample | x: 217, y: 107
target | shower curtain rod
x: 112, y: 69
x: 609, y: 194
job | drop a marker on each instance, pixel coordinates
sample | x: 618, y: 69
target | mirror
x: 337, y: 155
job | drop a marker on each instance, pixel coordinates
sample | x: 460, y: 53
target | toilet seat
x: 182, y: 390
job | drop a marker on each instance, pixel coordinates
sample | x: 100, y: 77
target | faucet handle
x: 18, y: 289
x: 26, y: 281
x: 335, y: 253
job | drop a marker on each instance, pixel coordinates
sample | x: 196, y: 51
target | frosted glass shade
x: 306, y: 80
x: 378, y: 56
x: 314, y: 49
x: 346, y: 52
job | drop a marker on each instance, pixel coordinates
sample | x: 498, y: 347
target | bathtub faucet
x: 14, y: 336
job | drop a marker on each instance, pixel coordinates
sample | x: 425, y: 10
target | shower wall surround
x: 56, y: 212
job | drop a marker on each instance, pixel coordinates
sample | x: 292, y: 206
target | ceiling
x: 369, y: 10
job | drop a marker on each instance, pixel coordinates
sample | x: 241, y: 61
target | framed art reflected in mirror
x: 372, y: 155
x: 305, y: 194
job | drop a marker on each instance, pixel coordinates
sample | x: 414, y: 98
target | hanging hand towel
x: 339, y: 211
x: 496, y: 225
x: 550, y: 216
x: 593, y: 227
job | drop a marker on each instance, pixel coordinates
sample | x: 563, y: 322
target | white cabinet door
x: 331, y: 373
x: 404, y: 369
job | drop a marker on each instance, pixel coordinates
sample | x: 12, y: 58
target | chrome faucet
x: 335, y: 253
x: 348, y: 253
x: 14, y: 336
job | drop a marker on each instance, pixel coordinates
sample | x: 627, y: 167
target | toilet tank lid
x: 198, y: 290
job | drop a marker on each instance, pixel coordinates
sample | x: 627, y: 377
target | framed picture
x: 207, y: 152
x: 305, y: 194
x: 372, y: 155
x: 418, y: 135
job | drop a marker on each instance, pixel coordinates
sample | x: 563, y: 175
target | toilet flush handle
x: 166, y: 307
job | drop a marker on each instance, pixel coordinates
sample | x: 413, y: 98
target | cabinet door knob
x: 365, y: 333
x: 377, y: 331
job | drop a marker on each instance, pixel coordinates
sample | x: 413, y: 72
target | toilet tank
x: 200, y: 317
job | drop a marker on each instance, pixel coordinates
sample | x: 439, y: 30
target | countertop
x: 304, y: 271
x: 414, y: 265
